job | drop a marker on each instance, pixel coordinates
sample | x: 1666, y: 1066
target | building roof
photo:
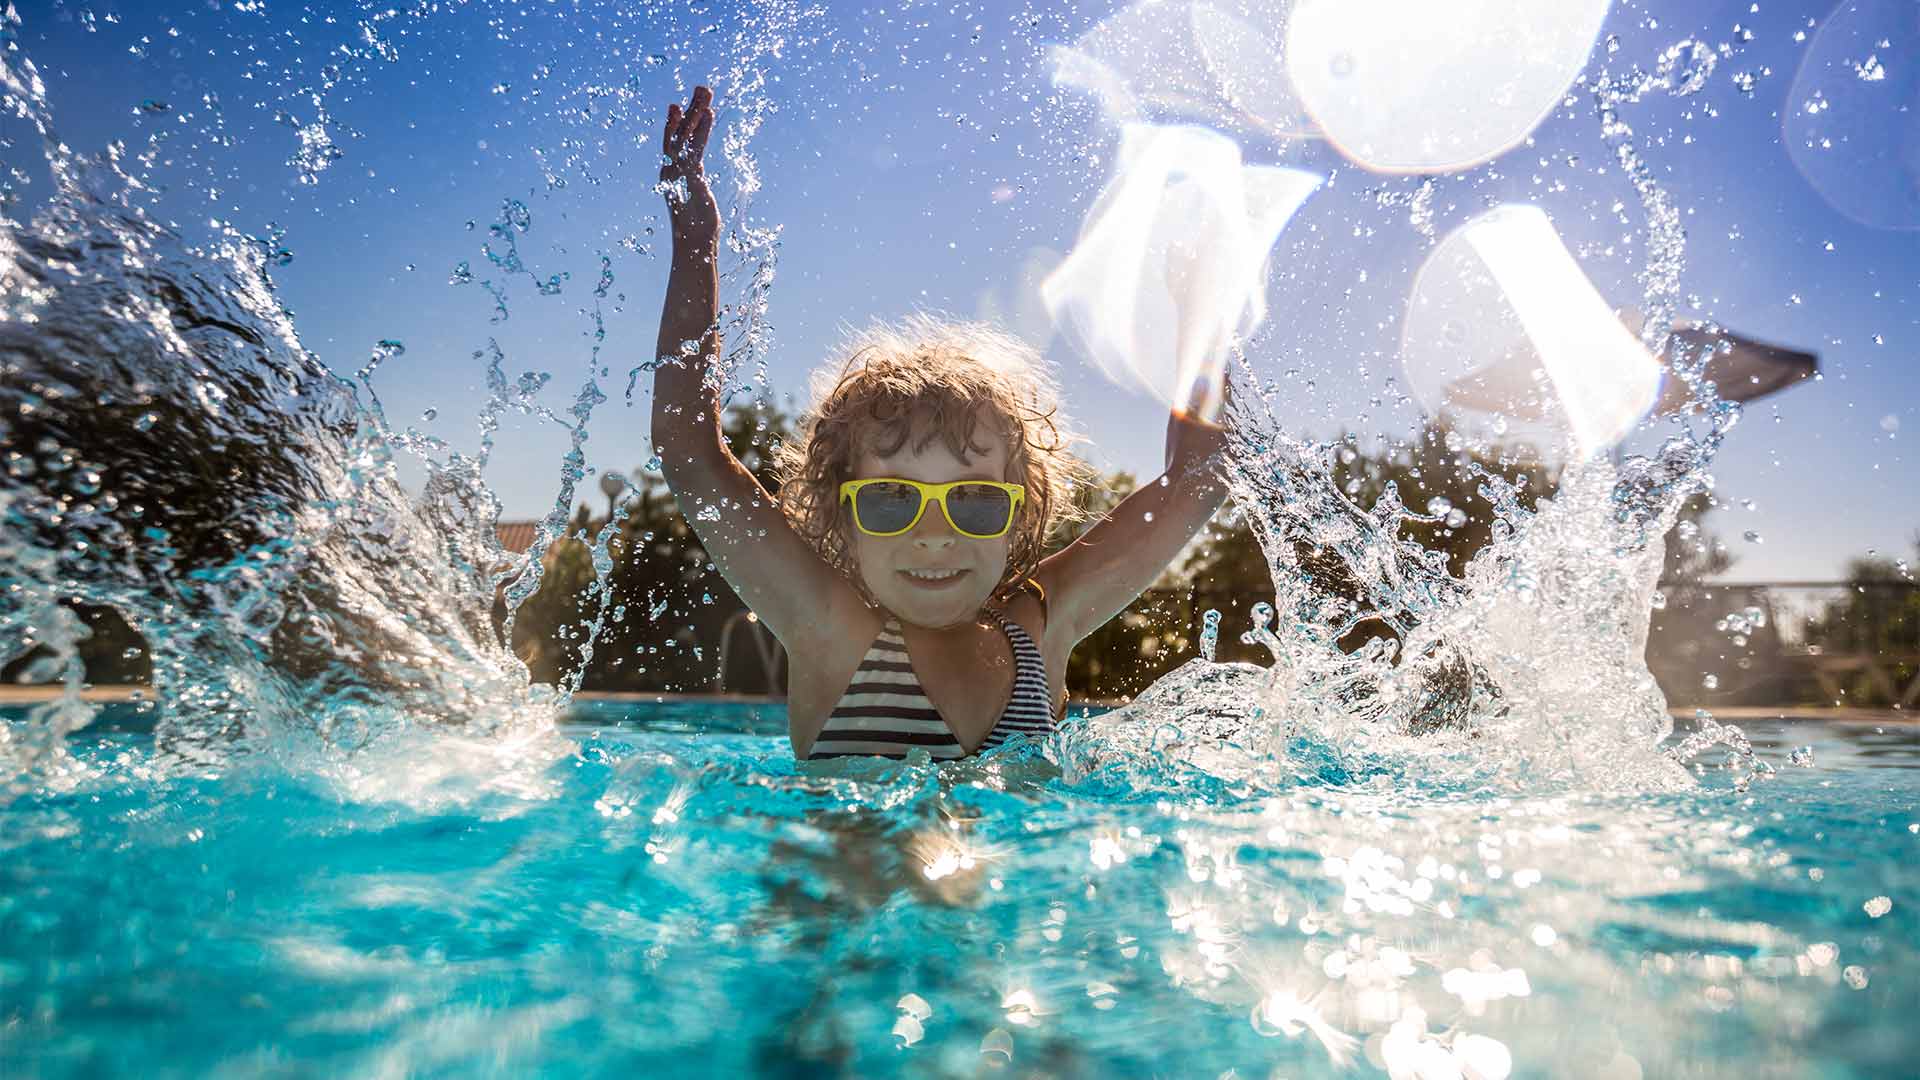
x: 516, y: 536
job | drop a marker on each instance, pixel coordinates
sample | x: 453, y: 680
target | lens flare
x: 1503, y: 322
x: 1170, y: 266
x: 1852, y: 119
x: 1417, y: 86
x: 1187, y: 62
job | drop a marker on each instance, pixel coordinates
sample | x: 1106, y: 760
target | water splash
x: 1527, y: 669
x: 240, y: 504
x: 184, y: 460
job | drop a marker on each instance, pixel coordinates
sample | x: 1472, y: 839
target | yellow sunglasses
x: 978, y: 509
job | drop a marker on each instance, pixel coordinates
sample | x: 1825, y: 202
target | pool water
x: 660, y: 888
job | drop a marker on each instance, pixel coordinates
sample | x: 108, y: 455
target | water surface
x: 670, y: 892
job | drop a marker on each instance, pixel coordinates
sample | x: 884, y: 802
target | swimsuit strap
x: 1030, y: 709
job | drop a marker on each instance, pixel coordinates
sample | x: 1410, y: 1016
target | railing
x: 1824, y: 642
x: 1710, y: 643
x: 766, y: 649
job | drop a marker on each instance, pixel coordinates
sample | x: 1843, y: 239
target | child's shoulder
x: 1027, y: 608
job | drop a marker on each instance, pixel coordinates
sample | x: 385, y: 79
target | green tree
x: 1431, y: 477
x: 1879, y: 612
x: 666, y: 603
x: 1877, y: 619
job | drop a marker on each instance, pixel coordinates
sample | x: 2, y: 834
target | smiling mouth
x: 933, y: 578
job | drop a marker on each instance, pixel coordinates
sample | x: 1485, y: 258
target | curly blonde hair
x: 928, y: 379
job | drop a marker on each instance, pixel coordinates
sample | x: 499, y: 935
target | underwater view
x: 415, y: 640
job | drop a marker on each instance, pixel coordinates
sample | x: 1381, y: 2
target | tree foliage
x: 665, y: 610
x: 659, y: 622
x: 1879, y: 612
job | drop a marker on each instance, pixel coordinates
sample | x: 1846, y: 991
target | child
x: 901, y: 566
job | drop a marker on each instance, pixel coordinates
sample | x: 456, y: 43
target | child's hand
x: 683, y: 177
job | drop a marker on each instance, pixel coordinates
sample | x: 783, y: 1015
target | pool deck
x: 32, y: 695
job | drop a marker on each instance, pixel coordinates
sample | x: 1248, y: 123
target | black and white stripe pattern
x: 1030, y: 709
x: 884, y: 712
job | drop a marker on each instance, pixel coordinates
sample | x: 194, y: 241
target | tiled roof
x: 516, y: 536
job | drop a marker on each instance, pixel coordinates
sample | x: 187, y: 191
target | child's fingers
x: 670, y: 136
x: 687, y: 129
x: 699, y: 120
x: 702, y: 127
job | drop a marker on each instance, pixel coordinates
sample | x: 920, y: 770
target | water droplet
x: 1802, y: 756
x: 1710, y: 682
x: 1752, y: 537
x: 1262, y: 615
x: 1210, y: 634
x: 1877, y: 906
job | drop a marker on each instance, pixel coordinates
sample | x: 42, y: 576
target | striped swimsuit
x: 884, y: 713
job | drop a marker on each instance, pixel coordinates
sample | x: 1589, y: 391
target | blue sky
x: 918, y: 157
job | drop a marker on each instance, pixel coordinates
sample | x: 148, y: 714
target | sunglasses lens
x: 980, y: 509
x: 886, y: 507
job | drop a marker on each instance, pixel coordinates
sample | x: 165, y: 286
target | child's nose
x: 933, y: 531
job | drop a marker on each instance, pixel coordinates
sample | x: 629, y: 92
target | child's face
x: 930, y: 575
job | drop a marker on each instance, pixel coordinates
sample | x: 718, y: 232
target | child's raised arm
x: 1097, y: 576
x: 770, y: 565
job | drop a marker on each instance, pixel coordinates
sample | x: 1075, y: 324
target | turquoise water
x: 661, y: 888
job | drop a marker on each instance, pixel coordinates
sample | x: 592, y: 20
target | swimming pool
x: 660, y: 888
